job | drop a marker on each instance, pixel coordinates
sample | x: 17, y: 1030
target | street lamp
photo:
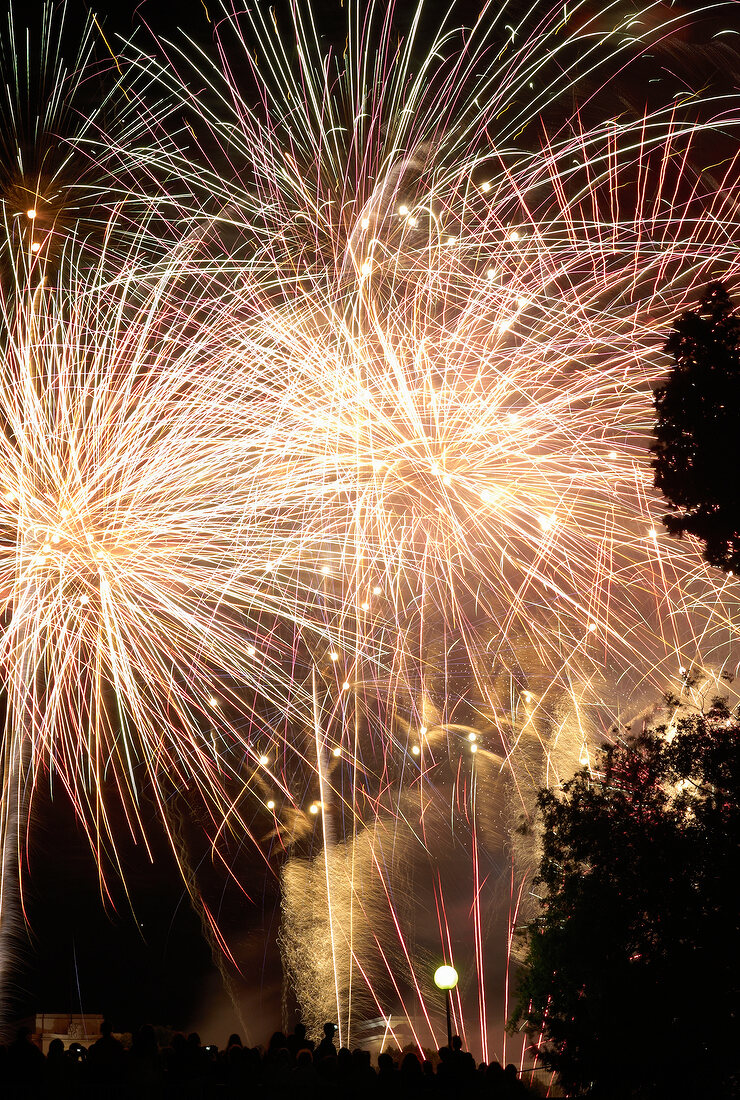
x: 445, y: 977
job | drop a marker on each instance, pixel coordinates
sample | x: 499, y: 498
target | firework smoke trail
x: 452, y: 295
x: 15, y: 759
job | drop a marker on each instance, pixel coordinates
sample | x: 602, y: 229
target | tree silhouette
x: 631, y: 976
x: 697, y: 434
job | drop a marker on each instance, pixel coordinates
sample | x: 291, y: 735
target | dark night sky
x: 145, y: 960
x: 153, y: 963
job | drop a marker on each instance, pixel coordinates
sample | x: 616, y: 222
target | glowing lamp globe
x: 445, y: 977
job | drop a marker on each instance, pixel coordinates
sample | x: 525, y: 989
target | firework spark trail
x: 16, y: 755
x: 451, y: 295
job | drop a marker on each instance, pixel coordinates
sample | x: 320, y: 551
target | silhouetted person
x: 298, y: 1041
x: 304, y: 1080
x: 175, y: 1063
x: 495, y: 1081
x: 277, y: 1071
x: 24, y: 1067
x: 387, y: 1085
x: 57, y: 1072
x: 252, y: 1068
x: 456, y: 1075
x: 365, y: 1078
x: 55, y: 1054
x: 462, y: 1065
x: 345, y: 1071
x: 326, y: 1048
x: 144, y: 1065
x: 513, y: 1087
x: 411, y: 1079
x: 277, y: 1042
x: 105, y: 1060
x: 211, y: 1069
x: 234, y: 1066
x: 77, y: 1066
x: 192, y: 1061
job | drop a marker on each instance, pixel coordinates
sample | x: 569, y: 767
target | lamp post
x: 445, y: 977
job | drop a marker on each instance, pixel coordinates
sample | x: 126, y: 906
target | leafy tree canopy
x: 697, y: 434
x: 632, y: 972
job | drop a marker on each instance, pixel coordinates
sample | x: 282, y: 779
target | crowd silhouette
x: 290, y: 1067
